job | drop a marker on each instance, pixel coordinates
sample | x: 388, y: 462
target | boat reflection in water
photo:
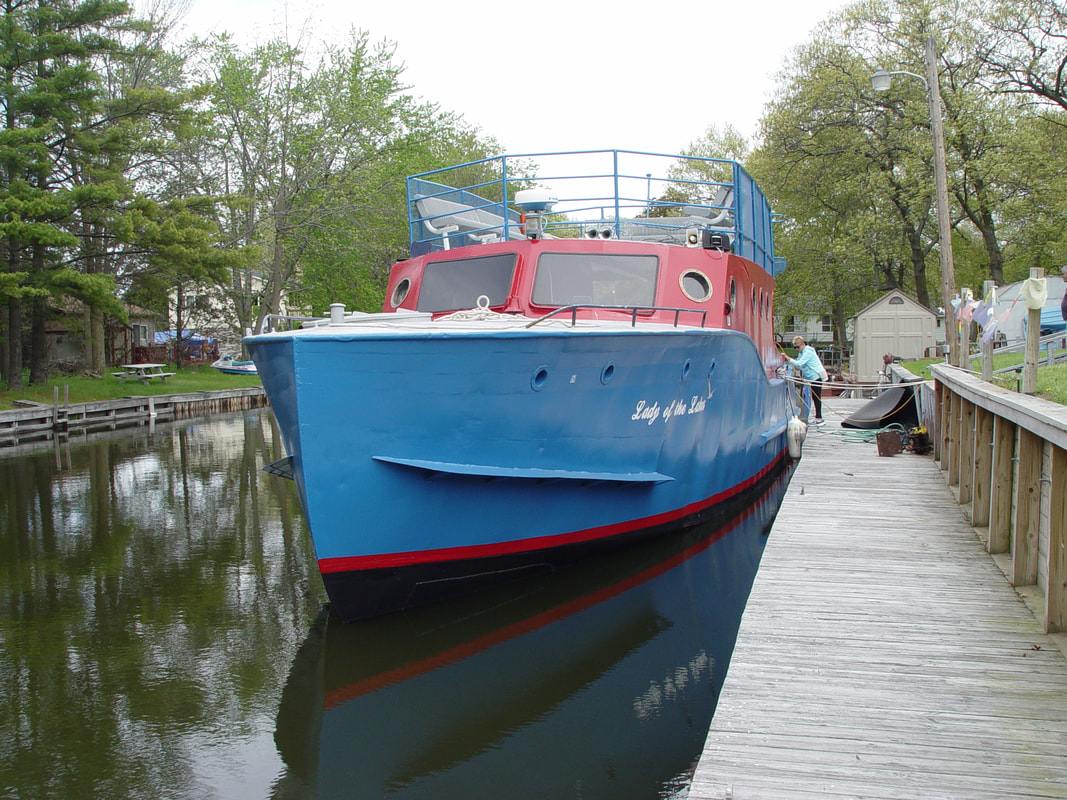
x: 596, y: 682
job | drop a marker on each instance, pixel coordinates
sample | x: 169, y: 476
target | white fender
x: 795, y: 431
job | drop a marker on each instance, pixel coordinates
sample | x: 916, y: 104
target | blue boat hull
x: 609, y: 674
x: 431, y: 464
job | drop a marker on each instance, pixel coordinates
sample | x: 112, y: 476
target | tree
x: 1026, y: 49
x: 49, y: 85
x: 844, y: 173
x: 82, y: 100
x: 348, y: 261
x: 854, y: 167
x: 306, y: 155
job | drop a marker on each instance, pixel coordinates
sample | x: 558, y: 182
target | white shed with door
x: 896, y: 324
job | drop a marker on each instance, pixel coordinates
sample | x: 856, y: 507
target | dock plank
x: 883, y: 654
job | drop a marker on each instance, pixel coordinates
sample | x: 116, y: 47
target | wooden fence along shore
x: 1006, y: 456
x: 40, y: 421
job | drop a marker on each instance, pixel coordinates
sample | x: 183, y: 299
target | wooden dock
x: 39, y: 421
x: 883, y: 654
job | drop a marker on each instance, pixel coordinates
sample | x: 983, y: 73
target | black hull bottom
x: 361, y: 594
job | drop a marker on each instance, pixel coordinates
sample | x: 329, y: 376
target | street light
x: 881, y: 81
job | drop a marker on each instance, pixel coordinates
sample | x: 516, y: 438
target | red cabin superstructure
x: 691, y: 286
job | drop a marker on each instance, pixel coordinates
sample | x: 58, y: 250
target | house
x: 131, y: 343
x: 896, y: 324
x: 66, y: 338
x: 816, y: 329
x: 208, y: 310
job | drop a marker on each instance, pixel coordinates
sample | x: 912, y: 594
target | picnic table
x: 142, y: 372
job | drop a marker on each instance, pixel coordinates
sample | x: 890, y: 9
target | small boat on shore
x: 228, y: 365
x: 548, y: 379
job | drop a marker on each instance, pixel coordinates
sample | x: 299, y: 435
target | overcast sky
x: 554, y: 76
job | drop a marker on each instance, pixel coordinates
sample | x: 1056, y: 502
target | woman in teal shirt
x: 811, y: 369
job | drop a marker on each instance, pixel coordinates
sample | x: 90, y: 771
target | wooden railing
x: 1006, y: 455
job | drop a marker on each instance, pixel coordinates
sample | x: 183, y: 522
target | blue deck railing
x: 602, y: 193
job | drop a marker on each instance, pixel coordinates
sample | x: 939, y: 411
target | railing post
x: 983, y: 467
x: 947, y: 398
x: 1056, y: 587
x: 936, y: 419
x: 967, y: 426
x: 954, y: 428
x: 1033, y: 334
x: 987, y: 346
x: 1024, y: 544
x: 999, y: 535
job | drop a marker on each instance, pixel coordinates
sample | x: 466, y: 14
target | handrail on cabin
x: 634, y: 195
x: 266, y: 325
x: 632, y: 310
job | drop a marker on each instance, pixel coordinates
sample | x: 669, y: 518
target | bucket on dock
x: 890, y: 443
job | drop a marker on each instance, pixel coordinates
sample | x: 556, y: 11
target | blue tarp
x: 189, y: 337
x: 1052, y: 321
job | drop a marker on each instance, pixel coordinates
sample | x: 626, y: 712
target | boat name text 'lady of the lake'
x: 676, y: 408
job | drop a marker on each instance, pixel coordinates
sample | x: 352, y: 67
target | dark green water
x: 162, y: 635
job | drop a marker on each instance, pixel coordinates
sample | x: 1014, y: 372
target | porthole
x: 685, y: 368
x: 733, y: 293
x: 540, y: 377
x: 400, y: 293
x: 695, y: 285
x: 608, y: 372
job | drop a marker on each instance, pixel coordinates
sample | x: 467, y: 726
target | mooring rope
x: 480, y: 312
x: 910, y: 399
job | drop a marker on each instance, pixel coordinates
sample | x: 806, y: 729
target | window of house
x: 198, y: 302
x: 826, y: 323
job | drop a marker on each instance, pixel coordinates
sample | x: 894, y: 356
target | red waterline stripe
x: 358, y: 563
x: 341, y: 695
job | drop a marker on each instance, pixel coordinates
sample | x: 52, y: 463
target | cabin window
x: 451, y: 285
x: 753, y: 301
x: 601, y: 279
x: 400, y: 293
x: 733, y: 296
x: 695, y: 285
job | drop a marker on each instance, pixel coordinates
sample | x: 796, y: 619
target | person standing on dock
x: 811, y: 369
x: 1063, y: 302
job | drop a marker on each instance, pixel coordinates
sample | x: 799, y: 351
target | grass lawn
x: 82, y: 389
